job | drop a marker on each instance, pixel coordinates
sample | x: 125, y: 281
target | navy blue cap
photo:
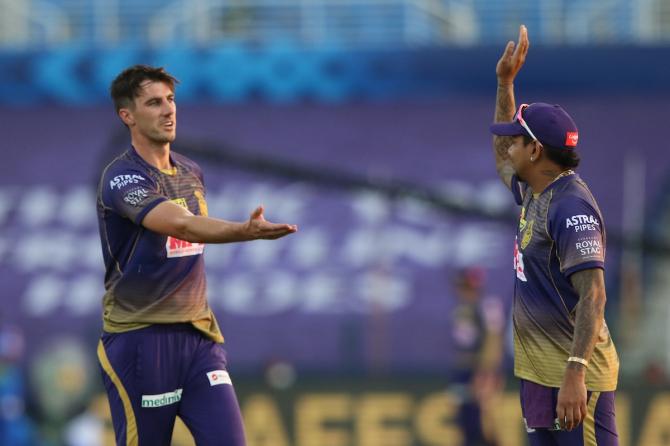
x: 550, y: 124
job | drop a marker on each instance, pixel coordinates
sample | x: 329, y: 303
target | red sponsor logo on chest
x: 182, y: 248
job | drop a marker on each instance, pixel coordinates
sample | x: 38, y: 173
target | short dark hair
x: 126, y: 87
x: 566, y: 158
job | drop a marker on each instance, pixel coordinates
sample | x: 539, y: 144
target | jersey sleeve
x: 130, y: 193
x: 518, y: 189
x: 577, y: 229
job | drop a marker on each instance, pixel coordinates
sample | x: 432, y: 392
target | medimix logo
x: 571, y: 139
x: 122, y: 180
x: 164, y: 399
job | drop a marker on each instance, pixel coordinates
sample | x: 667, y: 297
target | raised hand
x: 257, y: 227
x: 513, y: 58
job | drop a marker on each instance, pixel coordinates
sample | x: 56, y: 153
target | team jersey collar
x: 561, y: 179
x: 133, y: 153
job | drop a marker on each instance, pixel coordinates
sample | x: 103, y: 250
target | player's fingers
x: 522, y: 47
x: 508, y: 51
x: 257, y: 213
x: 270, y: 227
x: 288, y: 229
x: 521, y: 50
x: 523, y: 38
x: 582, y: 413
x: 570, y: 416
x: 560, y: 414
x: 274, y: 231
x: 277, y: 234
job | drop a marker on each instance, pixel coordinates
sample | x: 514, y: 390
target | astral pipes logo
x: 582, y: 223
x: 121, y: 180
x: 164, y: 399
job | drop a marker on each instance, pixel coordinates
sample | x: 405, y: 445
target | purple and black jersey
x: 561, y: 231
x: 151, y: 278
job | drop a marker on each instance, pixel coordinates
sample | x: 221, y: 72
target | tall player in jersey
x: 564, y: 354
x: 161, y: 352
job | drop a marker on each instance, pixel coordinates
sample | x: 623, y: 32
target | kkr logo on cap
x: 571, y: 139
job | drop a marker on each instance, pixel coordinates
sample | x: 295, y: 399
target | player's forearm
x: 589, y: 312
x: 504, y: 112
x: 588, y: 323
x: 200, y: 229
x: 505, y: 105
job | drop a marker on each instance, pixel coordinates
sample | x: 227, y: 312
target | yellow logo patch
x: 522, y: 220
x: 527, y: 234
x: 181, y: 202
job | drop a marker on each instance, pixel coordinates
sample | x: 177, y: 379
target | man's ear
x: 127, y: 117
x: 537, y: 150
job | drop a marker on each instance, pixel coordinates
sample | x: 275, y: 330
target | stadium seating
x: 328, y: 23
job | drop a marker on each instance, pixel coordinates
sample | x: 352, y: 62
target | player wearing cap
x: 161, y: 352
x: 477, y: 326
x: 564, y: 354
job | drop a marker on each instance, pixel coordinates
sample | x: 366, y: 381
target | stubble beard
x: 162, y: 137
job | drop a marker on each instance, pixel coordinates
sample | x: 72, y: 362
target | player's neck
x: 156, y: 154
x: 544, y: 175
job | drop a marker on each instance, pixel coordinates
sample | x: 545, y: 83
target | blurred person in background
x: 477, y: 332
x: 62, y: 380
x: 161, y: 349
x: 15, y: 427
x: 93, y: 427
x: 564, y: 354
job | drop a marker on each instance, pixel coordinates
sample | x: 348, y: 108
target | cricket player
x: 161, y: 349
x: 564, y: 355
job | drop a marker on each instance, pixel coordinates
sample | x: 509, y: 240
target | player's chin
x: 166, y: 137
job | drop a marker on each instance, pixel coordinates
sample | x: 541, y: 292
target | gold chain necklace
x: 563, y: 174
x: 560, y: 175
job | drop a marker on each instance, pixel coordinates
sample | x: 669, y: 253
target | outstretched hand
x: 257, y: 227
x: 513, y: 58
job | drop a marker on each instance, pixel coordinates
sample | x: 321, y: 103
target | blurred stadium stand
x: 329, y: 23
x: 379, y: 146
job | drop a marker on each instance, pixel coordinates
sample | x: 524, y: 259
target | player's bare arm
x: 507, y: 68
x: 589, y: 317
x: 171, y: 219
x: 590, y: 311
